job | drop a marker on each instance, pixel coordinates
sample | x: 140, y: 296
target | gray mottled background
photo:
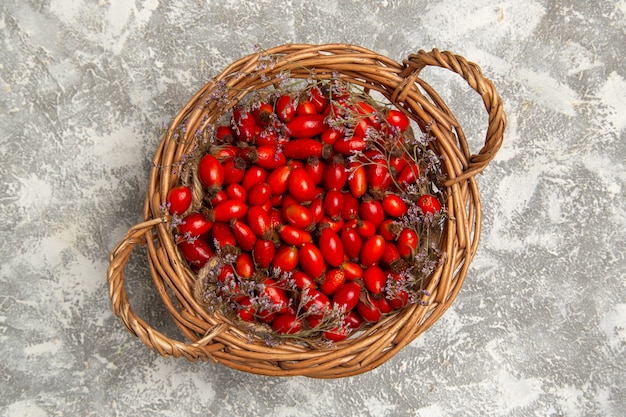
x: 539, y: 328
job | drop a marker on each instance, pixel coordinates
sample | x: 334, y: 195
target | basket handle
x: 157, y: 341
x: 474, y: 77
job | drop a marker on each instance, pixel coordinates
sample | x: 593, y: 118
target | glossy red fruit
x: 222, y: 235
x: 372, y: 211
x: 331, y: 247
x: 316, y: 303
x: 276, y: 218
x: 245, y: 310
x: 315, y: 167
x: 372, y: 250
x: 268, y: 136
x: 369, y: 112
x: 286, y: 258
x: 227, y: 273
x: 259, y: 221
x: 197, y: 253
x: 364, y: 228
x: 391, y: 254
x: 305, y: 148
x: 378, y: 176
x: 305, y: 107
x: 276, y: 295
x: 335, y: 176
x: 374, y: 279
x: 293, y: 236
x: 370, y: 121
x: 369, y: 311
x: 179, y: 199
x: 285, y: 108
x: 383, y: 305
x: 352, y: 321
x: 224, y: 134
x: 429, y: 204
x: 352, y: 241
x: 333, y: 203
x: 243, y: 125
x: 306, y: 126
x: 265, y: 315
x: 211, y: 172
x: 218, y: 198
x: 347, y: 295
x: 333, y: 224
x: 398, y: 120
x: 399, y: 300
x: 254, y: 175
x: 350, y: 209
x: 316, y: 207
x: 387, y: 229
x: 244, y: 265
x: 352, y: 271
x: 349, y: 147
x: 259, y: 194
x: 365, y: 127
x: 318, y: 99
x: 331, y: 135
x: 357, y: 179
x: 301, y: 186
x: 246, y: 238
x: 234, y: 170
x: 264, y: 251
x: 397, y: 163
x: 277, y: 179
x: 225, y: 151
x: 194, y: 225
x: 263, y: 113
x: 248, y: 154
x: 298, y: 215
x: 408, y: 175
x: 311, y: 260
x: 336, y: 335
x: 394, y: 206
x: 333, y: 278
x: 229, y: 210
x: 236, y: 192
x: 407, y: 243
x: 302, y: 280
x: 287, y: 324
x: 269, y: 158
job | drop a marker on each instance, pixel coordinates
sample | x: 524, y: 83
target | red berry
x: 332, y: 247
x: 311, y: 260
x: 347, y: 295
x: 301, y: 186
x: 372, y: 250
x: 429, y: 204
x: 211, y: 172
x: 394, y: 205
x: 179, y: 199
x: 407, y: 243
x: 287, y: 324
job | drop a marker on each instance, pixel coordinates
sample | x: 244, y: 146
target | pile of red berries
x: 317, y: 213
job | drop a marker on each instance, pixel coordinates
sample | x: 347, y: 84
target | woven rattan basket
x: 213, y: 336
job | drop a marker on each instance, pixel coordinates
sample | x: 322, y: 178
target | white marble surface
x: 539, y: 328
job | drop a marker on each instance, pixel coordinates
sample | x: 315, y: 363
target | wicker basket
x: 214, y: 336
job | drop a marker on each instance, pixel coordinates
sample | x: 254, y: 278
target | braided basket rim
x: 213, y: 336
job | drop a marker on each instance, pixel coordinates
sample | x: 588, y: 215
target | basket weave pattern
x: 213, y: 336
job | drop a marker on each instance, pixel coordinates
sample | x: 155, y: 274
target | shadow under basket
x: 214, y: 336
